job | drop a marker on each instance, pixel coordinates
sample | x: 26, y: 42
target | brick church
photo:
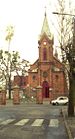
x: 47, y: 71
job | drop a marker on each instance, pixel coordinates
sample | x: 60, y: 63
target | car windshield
x: 60, y: 98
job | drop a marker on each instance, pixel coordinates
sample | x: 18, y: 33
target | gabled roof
x: 45, y: 28
x: 57, y: 61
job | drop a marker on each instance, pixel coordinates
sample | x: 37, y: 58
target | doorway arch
x: 45, y: 89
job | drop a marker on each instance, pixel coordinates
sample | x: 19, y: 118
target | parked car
x: 62, y: 100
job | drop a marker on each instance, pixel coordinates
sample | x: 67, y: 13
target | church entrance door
x: 45, y: 89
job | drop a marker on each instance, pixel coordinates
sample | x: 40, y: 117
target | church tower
x: 45, y: 43
x: 45, y: 58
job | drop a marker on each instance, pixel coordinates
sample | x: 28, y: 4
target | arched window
x: 44, y: 54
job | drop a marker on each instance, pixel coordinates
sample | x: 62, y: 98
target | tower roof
x: 45, y: 28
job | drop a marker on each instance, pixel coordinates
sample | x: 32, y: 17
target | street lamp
x: 57, y: 13
x: 62, y: 13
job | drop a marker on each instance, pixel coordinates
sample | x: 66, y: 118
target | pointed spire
x: 45, y: 27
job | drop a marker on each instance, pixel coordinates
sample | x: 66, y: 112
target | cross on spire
x: 45, y: 11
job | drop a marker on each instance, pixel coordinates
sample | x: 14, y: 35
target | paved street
x: 28, y: 121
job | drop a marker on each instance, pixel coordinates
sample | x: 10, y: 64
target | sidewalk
x: 9, y: 102
x: 69, y: 124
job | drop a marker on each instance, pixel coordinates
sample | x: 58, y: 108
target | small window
x: 34, y: 77
x: 57, y: 77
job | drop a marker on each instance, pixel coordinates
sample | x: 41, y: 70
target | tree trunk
x: 71, y: 96
x: 9, y: 94
x: 9, y: 88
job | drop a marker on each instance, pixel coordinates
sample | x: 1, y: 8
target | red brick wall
x: 58, y: 84
x: 33, y: 79
x: 21, y: 81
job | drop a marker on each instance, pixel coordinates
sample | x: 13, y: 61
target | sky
x: 26, y: 16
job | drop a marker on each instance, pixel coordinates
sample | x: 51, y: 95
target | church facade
x: 47, y: 71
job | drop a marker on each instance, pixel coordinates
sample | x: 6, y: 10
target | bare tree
x: 66, y: 36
